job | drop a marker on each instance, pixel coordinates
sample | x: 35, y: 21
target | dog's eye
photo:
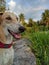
x: 8, y: 18
x: 17, y: 18
x: 1, y: 13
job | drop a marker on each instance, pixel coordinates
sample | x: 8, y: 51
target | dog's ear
x: 1, y: 17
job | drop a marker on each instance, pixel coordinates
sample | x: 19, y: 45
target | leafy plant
x: 40, y: 46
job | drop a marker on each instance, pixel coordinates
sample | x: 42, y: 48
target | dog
x: 9, y: 28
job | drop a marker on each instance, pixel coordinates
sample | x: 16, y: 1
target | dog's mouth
x: 15, y: 35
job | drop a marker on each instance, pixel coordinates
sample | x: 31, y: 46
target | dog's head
x: 11, y: 25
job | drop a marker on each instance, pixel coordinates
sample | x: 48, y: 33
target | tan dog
x: 8, y: 27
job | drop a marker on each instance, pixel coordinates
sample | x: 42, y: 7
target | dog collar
x: 2, y: 45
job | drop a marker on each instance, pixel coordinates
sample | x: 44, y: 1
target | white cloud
x: 26, y: 21
x: 43, y: 0
x: 31, y: 9
x: 39, y: 8
x: 18, y: 8
x: 12, y: 5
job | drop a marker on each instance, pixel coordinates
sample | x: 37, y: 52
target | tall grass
x: 40, y: 46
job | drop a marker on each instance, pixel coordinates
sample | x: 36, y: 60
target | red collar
x: 2, y: 45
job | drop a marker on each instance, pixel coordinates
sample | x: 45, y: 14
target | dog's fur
x: 6, y: 55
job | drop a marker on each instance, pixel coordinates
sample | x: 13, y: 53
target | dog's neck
x: 7, y: 39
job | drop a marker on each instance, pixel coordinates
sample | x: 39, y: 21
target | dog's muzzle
x: 18, y: 34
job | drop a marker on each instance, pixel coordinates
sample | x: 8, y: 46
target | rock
x: 23, y: 54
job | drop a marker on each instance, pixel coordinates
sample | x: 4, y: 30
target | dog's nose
x: 22, y: 29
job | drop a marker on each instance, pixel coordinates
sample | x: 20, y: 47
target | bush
x: 40, y: 46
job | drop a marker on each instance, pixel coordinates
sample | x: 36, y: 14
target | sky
x: 30, y: 8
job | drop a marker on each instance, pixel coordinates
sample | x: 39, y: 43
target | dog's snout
x: 22, y: 29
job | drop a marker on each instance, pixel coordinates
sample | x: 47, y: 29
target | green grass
x: 40, y: 46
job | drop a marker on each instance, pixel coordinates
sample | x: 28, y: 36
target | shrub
x: 40, y: 46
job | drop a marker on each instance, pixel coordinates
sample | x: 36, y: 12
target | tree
x: 22, y: 18
x: 2, y: 5
x: 45, y: 17
x: 45, y: 20
x: 30, y: 22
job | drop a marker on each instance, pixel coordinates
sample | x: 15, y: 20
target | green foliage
x: 39, y: 35
x: 30, y: 22
x: 40, y: 46
x: 2, y: 9
x: 45, y: 15
x: 21, y: 16
x: 2, y: 5
x: 41, y: 25
x: 45, y: 18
